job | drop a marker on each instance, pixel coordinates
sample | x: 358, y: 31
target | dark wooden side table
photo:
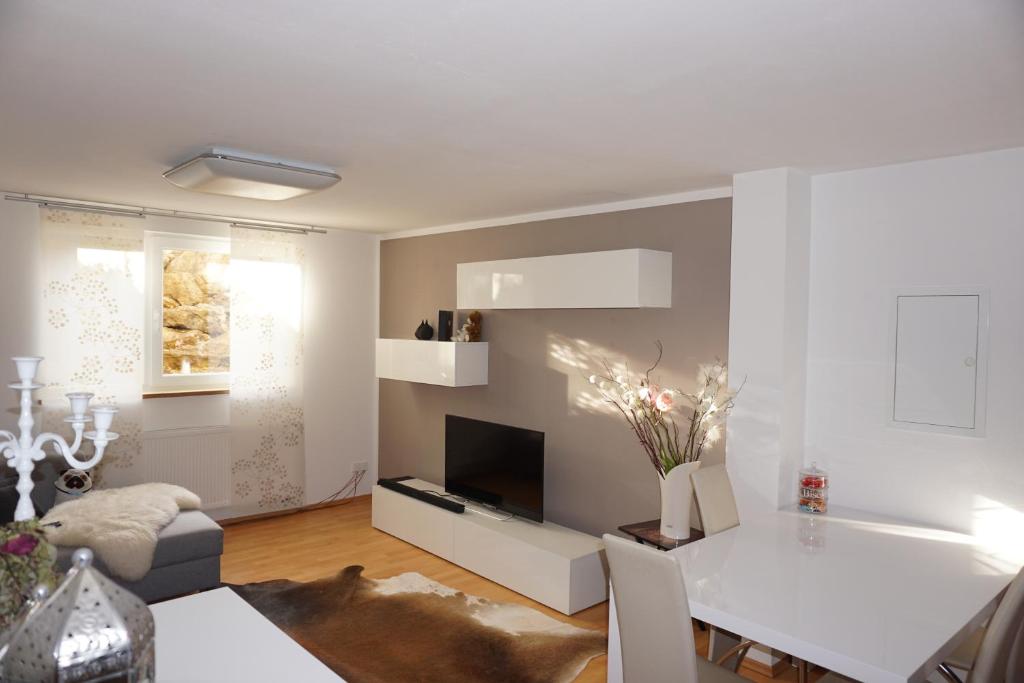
x: 649, y: 533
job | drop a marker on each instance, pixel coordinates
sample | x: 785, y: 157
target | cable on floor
x: 353, y: 483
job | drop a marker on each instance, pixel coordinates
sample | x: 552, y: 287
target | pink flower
x: 20, y: 545
x: 664, y: 401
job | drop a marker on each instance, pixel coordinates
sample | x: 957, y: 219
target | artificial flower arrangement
x: 26, y: 561
x: 651, y: 411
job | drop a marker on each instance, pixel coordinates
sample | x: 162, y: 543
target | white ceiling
x: 459, y: 110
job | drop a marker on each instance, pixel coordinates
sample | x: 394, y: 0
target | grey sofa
x: 188, y: 550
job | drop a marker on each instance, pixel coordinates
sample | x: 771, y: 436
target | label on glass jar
x: 815, y: 505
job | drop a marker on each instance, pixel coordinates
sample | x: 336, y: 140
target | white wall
x: 340, y: 403
x: 340, y: 321
x: 340, y: 387
x: 954, y: 221
x: 20, y: 295
x: 768, y: 335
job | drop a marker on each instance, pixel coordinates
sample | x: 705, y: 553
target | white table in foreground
x: 873, y: 598
x: 218, y: 637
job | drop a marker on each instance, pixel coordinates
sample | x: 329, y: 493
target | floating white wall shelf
x: 624, y: 278
x: 449, y: 364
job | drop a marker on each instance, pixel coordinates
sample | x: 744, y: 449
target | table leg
x: 720, y: 642
x: 801, y: 670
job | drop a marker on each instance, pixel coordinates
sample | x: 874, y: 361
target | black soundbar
x: 433, y: 499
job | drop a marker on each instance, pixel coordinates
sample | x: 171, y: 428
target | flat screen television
x: 496, y: 465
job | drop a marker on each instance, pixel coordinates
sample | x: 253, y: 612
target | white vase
x: 676, y: 492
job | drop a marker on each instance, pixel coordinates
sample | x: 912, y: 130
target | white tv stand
x: 556, y: 566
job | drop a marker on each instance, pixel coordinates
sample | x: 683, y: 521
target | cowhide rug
x: 409, y: 628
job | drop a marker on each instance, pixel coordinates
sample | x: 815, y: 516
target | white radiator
x: 198, y: 458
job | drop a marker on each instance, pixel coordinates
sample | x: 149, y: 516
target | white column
x: 768, y: 336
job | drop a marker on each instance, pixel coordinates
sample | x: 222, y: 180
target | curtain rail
x: 142, y: 212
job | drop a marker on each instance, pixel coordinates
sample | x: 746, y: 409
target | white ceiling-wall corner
x: 449, y: 112
x: 588, y: 210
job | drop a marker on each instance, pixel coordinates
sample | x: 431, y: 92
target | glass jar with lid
x: 813, y: 489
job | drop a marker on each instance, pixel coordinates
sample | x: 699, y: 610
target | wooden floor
x: 314, y: 544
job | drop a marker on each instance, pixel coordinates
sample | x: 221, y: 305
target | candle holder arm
x: 69, y: 451
x: 8, y: 447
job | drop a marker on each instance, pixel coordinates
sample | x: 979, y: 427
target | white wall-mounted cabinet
x: 624, y: 278
x: 449, y: 364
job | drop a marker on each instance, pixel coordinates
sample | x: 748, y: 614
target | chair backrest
x: 715, y: 500
x: 1004, y: 629
x: 1015, y: 669
x: 653, y: 613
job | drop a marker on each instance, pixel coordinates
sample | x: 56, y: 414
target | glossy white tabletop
x: 215, y: 637
x: 869, y: 597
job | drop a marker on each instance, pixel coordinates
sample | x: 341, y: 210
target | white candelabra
x: 24, y: 451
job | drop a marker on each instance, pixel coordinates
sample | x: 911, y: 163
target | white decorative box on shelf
x: 554, y: 565
x: 624, y: 278
x: 448, y: 364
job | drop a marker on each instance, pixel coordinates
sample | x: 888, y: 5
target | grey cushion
x: 169, y: 581
x: 174, y: 580
x: 187, y: 559
x: 192, y: 535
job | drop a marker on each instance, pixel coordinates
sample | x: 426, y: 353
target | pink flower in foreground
x: 664, y: 401
x: 20, y: 545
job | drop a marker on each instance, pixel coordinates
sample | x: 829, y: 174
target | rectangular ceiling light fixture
x: 239, y: 174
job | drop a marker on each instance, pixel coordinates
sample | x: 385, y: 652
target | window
x: 189, y: 322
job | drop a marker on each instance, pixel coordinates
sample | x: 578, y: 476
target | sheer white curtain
x: 93, y: 279
x: 267, y: 454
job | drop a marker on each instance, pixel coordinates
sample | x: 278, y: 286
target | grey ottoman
x: 187, y: 559
x: 188, y: 550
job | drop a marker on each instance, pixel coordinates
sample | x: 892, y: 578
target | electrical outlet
x: 360, y: 466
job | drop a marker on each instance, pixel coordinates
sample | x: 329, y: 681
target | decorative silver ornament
x: 89, y: 630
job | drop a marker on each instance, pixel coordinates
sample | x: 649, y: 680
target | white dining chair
x: 716, y: 506
x: 654, y: 619
x: 716, y: 503
x: 994, y: 654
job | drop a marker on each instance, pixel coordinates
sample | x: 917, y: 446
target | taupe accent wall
x: 596, y: 475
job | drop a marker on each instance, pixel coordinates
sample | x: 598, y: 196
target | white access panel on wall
x: 940, y: 352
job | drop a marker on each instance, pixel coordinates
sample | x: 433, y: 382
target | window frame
x: 154, y: 245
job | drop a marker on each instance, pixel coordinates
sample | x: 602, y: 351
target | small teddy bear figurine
x: 470, y: 330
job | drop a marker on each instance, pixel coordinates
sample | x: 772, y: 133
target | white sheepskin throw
x: 120, y: 525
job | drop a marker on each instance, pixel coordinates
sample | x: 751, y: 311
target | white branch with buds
x: 649, y: 410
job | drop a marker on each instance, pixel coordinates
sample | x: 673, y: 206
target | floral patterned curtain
x: 267, y: 454
x: 91, y: 328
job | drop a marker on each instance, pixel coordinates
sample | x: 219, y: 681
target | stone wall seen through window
x: 196, y: 312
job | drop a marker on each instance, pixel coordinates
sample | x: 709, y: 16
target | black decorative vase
x: 424, y: 332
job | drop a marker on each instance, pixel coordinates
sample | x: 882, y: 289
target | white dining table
x: 874, y: 598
